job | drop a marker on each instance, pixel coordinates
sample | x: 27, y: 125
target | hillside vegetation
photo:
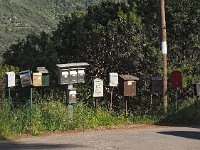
x: 20, y: 17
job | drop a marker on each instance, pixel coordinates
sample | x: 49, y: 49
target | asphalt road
x: 150, y: 138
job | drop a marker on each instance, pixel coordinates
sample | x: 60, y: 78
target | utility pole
x: 164, y: 52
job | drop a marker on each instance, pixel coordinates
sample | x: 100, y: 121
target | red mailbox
x: 176, y: 79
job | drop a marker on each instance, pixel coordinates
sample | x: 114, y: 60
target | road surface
x: 147, y: 138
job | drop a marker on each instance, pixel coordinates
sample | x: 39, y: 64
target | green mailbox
x: 45, y: 75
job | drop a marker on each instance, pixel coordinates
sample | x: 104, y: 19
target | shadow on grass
x: 36, y: 146
x: 188, y: 116
x: 185, y: 134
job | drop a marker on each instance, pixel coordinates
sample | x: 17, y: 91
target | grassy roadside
x: 53, y: 117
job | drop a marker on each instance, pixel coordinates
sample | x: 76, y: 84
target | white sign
x: 164, y: 47
x: 98, y: 88
x: 10, y: 79
x: 113, y: 79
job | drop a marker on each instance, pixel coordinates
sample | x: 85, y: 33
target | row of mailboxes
x: 40, y: 78
x: 127, y: 85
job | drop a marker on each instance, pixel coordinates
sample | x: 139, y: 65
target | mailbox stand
x: 113, y: 82
x: 68, y: 74
x: 10, y: 82
x: 128, y: 88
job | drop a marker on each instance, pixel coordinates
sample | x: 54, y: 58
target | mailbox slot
x: 37, y: 79
x: 10, y: 79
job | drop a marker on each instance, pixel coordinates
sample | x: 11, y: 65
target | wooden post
x: 164, y: 51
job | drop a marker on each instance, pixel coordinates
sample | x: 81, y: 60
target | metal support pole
x: 31, y: 103
x: 164, y: 51
x: 10, y: 106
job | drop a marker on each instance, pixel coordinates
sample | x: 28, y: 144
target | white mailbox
x: 113, y: 79
x: 10, y: 79
x: 98, y: 88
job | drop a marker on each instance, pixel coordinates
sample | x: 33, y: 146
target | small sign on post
x: 98, y: 90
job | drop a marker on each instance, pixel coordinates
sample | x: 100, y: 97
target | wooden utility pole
x: 164, y: 52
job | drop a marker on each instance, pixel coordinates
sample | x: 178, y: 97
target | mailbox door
x: 176, y: 79
x: 64, y: 78
x: 81, y: 76
x: 72, y: 96
x: 37, y: 79
x: 45, y: 79
x: 130, y: 88
x: 73, y: 76
x: 156, y: 85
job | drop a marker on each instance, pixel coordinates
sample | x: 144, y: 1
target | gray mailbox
x: 71, y: 73
x: 156, y: 85
x: 197, y: 88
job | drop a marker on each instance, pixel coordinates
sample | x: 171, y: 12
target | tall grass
x: 53, y: 115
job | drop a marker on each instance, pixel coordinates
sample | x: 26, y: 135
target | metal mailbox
x: 156, y: 85
x: 176, y: 79
x: 71, y: 96
x: 10, y: 79
x: 37, y: 79
x: 128, y: 85
x: 113, y: 79
x: 25, y: 78
x: 45, y: 75
x: 71, y: 73
x: 197, y: 88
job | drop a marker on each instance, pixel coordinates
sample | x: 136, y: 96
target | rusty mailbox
x: 156, y: 85
x: 127, y: 84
